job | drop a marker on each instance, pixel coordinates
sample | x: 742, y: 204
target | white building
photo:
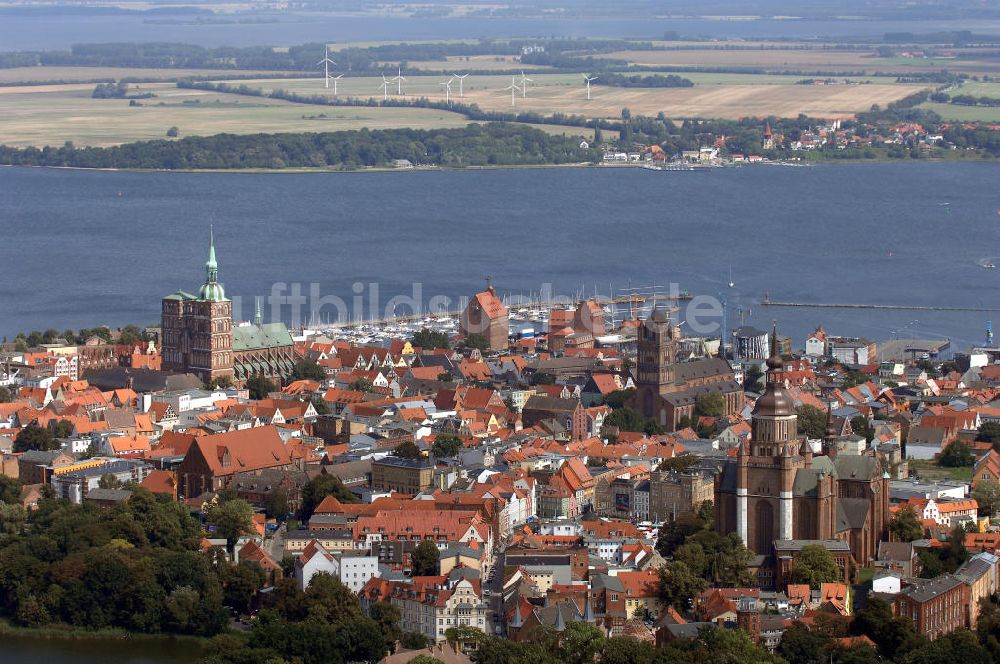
x: 353, y: 571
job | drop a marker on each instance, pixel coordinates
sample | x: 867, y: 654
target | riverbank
x: 72, y: 645
x: 306, y: 170
x: 72, y: 633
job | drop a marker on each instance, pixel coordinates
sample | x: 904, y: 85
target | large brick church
x: 777, y: 490
x: 198, y: 336
x: 668, y: 390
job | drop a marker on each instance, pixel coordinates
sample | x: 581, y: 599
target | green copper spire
x: 211, y: 264
x: 212, y: 290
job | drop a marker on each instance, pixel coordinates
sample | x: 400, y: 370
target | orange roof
x: 241, y: 451
x: 161, y: 481
x: 491, y: 305
x: 640, y: 584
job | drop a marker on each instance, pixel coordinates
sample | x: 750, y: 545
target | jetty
x: 889, y: 307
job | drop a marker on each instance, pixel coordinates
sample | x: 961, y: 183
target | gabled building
x: 212, y: 462
x: 668, y: 390
x: 486, y: 315
x: 198, y: 336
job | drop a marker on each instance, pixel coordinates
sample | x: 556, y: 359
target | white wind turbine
x: 588, y: 79
x: 513, y: 88
x: 399, y: 78
x: 461, y: 80
x: 447, y: 89
x: 524, y: 84
x: 326, y: 62
x: 385, y: 88
x: 335, y: 79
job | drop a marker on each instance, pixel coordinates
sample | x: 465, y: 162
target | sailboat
x: 731, y: 282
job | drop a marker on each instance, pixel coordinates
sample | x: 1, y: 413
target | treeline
x: 964, y: 100
x: 302, y: 57
x: 638, y: 81
x: 128, y: 335
x: 493, y: 144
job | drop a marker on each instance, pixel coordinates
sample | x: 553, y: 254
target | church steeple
x: 830, y: 435
x: 774, y: 424
x: 212, y: 290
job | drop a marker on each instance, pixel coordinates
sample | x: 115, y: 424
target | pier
x: 887, y: 307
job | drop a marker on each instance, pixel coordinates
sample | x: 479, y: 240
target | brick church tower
x: 197, y: 330
x: 778, y: 489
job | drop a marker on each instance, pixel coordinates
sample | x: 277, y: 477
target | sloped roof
x: 267, y: 335
x: 241, y: 451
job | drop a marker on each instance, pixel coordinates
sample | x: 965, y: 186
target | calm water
x: 80, y: 254
x: 27, y: 650
x: 18, y: 32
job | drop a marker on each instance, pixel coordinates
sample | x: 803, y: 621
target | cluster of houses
x: 542, y: 511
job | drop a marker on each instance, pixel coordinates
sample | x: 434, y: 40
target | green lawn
x: 964, y: 113
x: 929, y: 470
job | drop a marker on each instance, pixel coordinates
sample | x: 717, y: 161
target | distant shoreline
x: 431, y: 169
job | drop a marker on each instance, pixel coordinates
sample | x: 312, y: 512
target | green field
x: 964, y: 113
x: 976, y: 88
x: 929, y: 470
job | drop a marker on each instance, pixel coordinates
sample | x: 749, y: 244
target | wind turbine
x: 513, y: 88
x: 326, y: 62
x: 447, y: 89
x: 524, y: 84
x: 335, y: 79
x: 399, y: 80
x: 385, y: 88
x: 461, y: 80
x: 588, y: 79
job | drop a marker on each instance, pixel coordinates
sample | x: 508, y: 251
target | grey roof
x: 254, y: 337
x: 897, y: 551
x: 974, y: 568
x: 687, y: 630
x: 553, y: 404
x: 807, y: 479
x: 40, y: 457
x: 852, y: 513
x: 401, y: 462
x: 927, y: 590
x: 116, y: 495
x: 350, y: 469
x: 142, y: 380
x: 796, y: 545
x: 607, y: 582
x: 537, y: 559
x: 114, y: 467
x: 852, y: 467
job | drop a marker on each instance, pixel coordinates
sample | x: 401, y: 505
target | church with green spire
x: 198, y: 335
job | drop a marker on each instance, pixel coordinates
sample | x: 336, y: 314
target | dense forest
x: 493, y: 144
x: 638, y: 81
x: 302, y: 57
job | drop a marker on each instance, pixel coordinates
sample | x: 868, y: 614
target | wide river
x: 85, y: 248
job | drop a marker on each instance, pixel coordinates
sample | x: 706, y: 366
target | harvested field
x: 565, y: 93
